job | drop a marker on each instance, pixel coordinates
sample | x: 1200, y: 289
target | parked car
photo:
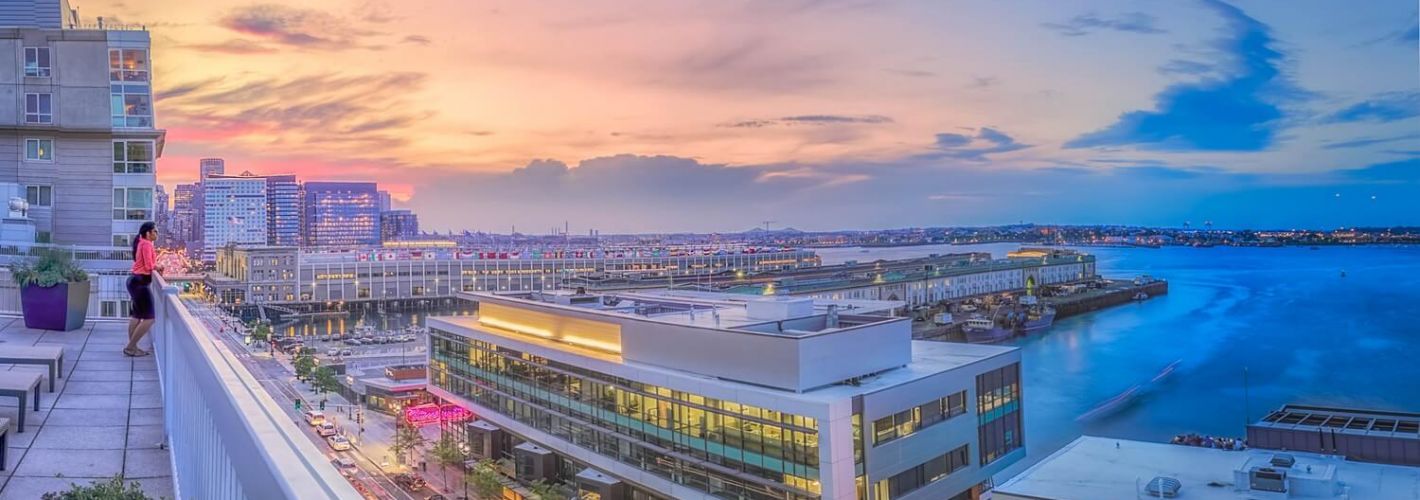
x: 338, y: 443
x: 327, y: 429
x: 409, y: 482
x: 346, y: 352
x: 315, y: 417
x: 332, y: 352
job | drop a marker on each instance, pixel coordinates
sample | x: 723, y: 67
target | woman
x: 140, y: 290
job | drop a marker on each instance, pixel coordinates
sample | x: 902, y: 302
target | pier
x: 1116, y: 293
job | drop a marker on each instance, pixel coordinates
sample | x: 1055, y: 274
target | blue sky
x: 820, y: 114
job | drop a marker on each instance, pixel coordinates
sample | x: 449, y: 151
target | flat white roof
x: 1096, y: 467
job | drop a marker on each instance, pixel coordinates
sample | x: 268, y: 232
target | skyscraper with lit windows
x: 341, y: 213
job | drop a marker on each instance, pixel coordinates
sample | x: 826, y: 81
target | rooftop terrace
x: 105, y: 417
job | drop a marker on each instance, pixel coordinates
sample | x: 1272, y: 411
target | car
x: 332, y: 352
x: 338, y: 442
x: 409, y: 482
x: 344, y: 463
x: 315, y: 417
x: 346, y: 352
x: 327, y: 429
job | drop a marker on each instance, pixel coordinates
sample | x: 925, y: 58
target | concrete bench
x: 20, y: 384
x: 48, y: 355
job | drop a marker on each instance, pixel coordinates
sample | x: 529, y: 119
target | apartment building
x: 77, y: 128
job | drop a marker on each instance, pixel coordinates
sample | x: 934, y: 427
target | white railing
x: 229, y: 438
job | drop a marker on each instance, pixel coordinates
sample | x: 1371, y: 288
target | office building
x: 162, y: 212
x: 283, y: 210
x: 1096, y: 467
x: 424, y: 270
x: 398, y: 225
x: 341, y: 214
x: 208, y: 167
x: 186, y: 205
x: 694, y: 395
x: 233, y: 212
x: 77, y: 96
x: 385, y: 205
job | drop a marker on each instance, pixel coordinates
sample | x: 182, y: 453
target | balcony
x: 189, y: 422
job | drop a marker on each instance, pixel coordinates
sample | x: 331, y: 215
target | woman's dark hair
x: 143, y: 230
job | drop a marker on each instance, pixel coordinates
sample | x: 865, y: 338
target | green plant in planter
x: 50, y: 267
x: 112, y: 489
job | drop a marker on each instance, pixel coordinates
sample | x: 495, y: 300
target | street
x: 370, y: 442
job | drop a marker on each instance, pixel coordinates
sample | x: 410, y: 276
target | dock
x: 1116, y: 293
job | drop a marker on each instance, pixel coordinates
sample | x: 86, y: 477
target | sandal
x: 135, y: 353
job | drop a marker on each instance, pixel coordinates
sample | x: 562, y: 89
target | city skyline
x: 924, y: 117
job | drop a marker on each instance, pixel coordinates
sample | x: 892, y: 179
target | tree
x: 542, y: 490
x: 406, y: 439
x: 485, y: 479
x: 260, y: 332
x: 446, y: 452
x: 112, y: 489
x: 325, y: 380
x: 304, y: 363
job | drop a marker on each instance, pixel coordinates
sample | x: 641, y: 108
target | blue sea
x: 1283, y: 318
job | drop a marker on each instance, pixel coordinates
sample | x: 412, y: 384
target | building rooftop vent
x: 1283, y: 460
x: 1163, y: 487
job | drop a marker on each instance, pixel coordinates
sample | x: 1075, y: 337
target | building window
x: 39, y: 196
x: 39, y: 108
x: 130, y: 96
x: 122, y: 240
x: 128, y: 65
x: 43, y: 237
x: 909, y: 421
x: 36, y: 61
x: 998, y: 412
x: 923, y: 474
x: 132, y: 204
x: 39, y: 149
x: 133, y: 157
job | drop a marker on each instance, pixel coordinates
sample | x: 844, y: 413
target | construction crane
x: 767, y: 223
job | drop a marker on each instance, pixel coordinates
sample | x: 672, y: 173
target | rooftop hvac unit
x: 1283, y: 460
x: 1267, y: 479
x: 1163, y: 487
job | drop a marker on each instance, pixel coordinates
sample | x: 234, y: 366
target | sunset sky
x: 818, y: 114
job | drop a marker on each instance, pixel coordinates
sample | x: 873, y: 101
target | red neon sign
x: 431, y: 413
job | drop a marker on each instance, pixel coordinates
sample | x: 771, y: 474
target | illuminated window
x: 131, y: 99
x: 39, y: 149
x: 132, y: 157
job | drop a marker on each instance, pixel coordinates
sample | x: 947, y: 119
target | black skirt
x: 140, y: 291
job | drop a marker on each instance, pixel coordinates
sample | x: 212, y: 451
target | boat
x: 1123, y: 399
x: 1038, y: 316
x: 985, y: 331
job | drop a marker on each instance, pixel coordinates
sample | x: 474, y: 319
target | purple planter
x: 60, y: 307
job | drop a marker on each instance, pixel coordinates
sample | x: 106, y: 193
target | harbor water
x: 1303, y: 332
